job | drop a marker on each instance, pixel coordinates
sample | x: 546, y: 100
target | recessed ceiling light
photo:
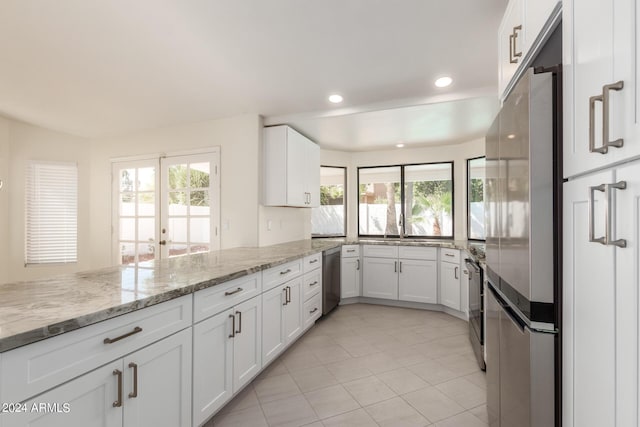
x: 400, y: 145
x: 335, y: 98
x: 511, y: 135
x: 443, y: 81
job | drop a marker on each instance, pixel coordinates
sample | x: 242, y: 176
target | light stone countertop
x: 34, y: 310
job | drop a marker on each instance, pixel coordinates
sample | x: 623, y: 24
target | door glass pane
x: 177, y: 203
x: 429, y: 200
x: 176, y: 249
x: 198, y: 248
x: 127, y: 253
x: 177, y: 229
x: 146, y: 204
x: 177, y: 176
x: 146, y: 229
x: 146, y: 252
x: 379, y: 199
x: 127, y: 180
x: 146, y: 179
x: 199, y: 175
x: 329, y: 218
x: 199, y: 203
x: 127, y: 204
x: 128, y: 229
x: 199, y: 230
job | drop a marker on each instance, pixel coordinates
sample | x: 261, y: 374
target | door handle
x: 285, y: 295
x: 134, y: 393
x: 592, y: 232
x: 118, y: 402
x: 112, y: 340
x: 233, y: 292
x: 621, y: 243
x: 239, y: 313
x: 604, y: 98
x: 162, y: 242
x: 288, y: 294
x: 395, y: 266
x: 516, y: 54
x: 233, y: 326
x: 511, y: 59
x: 400, y: 266
x: 357, y: 265
x: 455, y: 273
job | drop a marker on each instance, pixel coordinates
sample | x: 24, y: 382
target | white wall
x: 4, y: 200
x: 238, y: 139
x: 458, y: 153
x: 27, y: 142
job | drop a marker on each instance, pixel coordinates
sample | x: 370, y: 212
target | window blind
x: 51, y: 213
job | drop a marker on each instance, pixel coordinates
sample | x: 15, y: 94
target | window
x: 416, y: 200
x: 475, y: 198
x: 329, y: 219
x: 51, y: 235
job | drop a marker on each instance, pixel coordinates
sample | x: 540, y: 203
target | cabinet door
x: 312, y: 171
x: 450, y: 285
x: 212, y: 365
x: 162, y: 372
x: 627, y: 204
x: 589, y: 317
x: 273, y: 338
x: 350, y: 277
x: 418, y: 281
x: 598, y: 45
x: 296, y: 169
x: 380, y: 278
x: 508, y: 45
x: 293, y: 310
x: 536, y: 14
x: 90, y: 398
x: 247, y: 343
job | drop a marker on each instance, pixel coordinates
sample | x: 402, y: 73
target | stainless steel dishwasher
x: 330, y: 279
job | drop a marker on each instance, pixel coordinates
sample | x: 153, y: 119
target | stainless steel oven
x: 476, y: 310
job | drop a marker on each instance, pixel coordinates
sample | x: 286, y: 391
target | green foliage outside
x: 331, y: 195
x: 476, y: 190
x: 178, y: 176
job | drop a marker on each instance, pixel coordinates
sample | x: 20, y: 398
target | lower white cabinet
x: 281, y: 318
x: 380, y: 278
x: 150, y: 387
x: 450, y: 274
x: 418, y: 281
x: 227, y: 355
x: 350, y: 277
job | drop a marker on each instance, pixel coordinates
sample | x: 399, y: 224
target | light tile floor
x: 368, y: 365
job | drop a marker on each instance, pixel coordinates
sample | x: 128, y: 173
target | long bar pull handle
x: 288, y: 294
x: 226, y: 294
x: 511, y: 59
x: 314, y: 310
x: 516, y: 54
x: 592, y: 126
x: 395, y: 266
x: 621, y: 243
x: 285, y: 296
x: 400, y: 266
x: 118, y: 402
x: 357, y: 265
x: 455, y: 273
x: 134, y: 393
x: 592, y: 232
x: 112, y: 340
x: 239, y: 313
x: 287, y: 271
x: 605, y: 116
x: 233, y: 326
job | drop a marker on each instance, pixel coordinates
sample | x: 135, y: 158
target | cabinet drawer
x: 380, y: 251
x: 349, y: 251
x: 311, y: 284
x: 418, y: 252
x: 280, y: 274
x: 312, y: 310
x: 312, y: 262
x: 215, y: 299
x: 450, y: 255
x: 34, y: 368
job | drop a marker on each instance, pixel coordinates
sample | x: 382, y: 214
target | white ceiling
x: 96, y: 68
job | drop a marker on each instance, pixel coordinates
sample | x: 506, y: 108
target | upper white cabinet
x: 524, y: 25
x: 291, y: 168
x: 600, y: 89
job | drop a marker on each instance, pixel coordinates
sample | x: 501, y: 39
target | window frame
x: 328, y: 236
x: 402, y: 200
x: 469, y: 199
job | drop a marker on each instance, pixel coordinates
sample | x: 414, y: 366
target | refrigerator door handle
x: 592, y: 232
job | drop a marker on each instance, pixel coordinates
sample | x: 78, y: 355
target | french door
x: 165, y: 207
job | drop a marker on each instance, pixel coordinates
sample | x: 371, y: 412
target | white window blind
x: 51, y: 213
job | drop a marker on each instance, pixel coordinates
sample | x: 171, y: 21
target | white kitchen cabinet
x: 418, y: 281
x: 227, y: 355
x: 600, y: 295
x: 291, y: 168
x: 450, y: 279
x: 281, y: 318
x: 149, y: 387
x: 380, y: 278
x: 599, y: 49
x: 511, y: 43
x: 536, y: 15
x: 293, y: 310
x: 350, y: 272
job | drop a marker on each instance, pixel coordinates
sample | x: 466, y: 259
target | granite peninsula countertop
x: 34, y: 310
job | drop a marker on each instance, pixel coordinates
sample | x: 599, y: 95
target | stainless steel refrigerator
x: 523, y: 219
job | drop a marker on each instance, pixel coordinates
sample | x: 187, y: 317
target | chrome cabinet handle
x: 134, y: 393
x: 621, y: 243
x: 395, y: 266
x: 112, y: 340
x: 400, y: 266
x: 592, y: 232
x: 314, y: 310
x: 285, y: 296
x: 455, y: 273
x: 313, y: 261
x: 233, y: 292
x: 449, y: 255
x: 314, y: 283
x: 118, y: 402
x: 233, y: 326
x: 287, y: 271
x: 357, y: 265
x: 515, y: 39
x: 604, y: 98
x: 239, y: 313
x: 288, y: 294
x: 511, y: 59
x: 351, y: 250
